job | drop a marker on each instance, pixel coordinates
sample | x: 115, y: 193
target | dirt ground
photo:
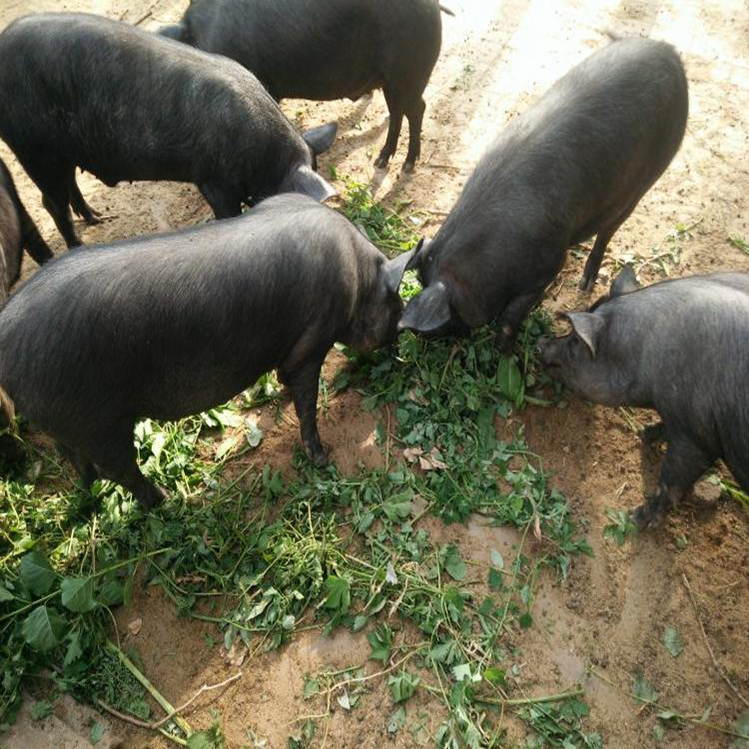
x: 497, y: 57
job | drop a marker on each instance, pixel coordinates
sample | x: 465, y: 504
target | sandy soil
x: 498, y: 56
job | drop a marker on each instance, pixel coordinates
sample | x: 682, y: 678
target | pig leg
x: 415, y: 115
x: 224, y: 203
x: 603, y: 237
x: 654, y: 433
x: 303, y: 382
x: 55, y: 197
x: 511, y: 319
x: 114, y: 456
x: 79, y: 205
x: 394, y: 129
x: 683, y: 464
x: 85, y: 467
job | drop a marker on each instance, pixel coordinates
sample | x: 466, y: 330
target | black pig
x: 174, y: 324
x: 573, y: 165
x: 17, y: 232
x: 680, y: 347
x: 123, y: 104
x: 328, y: 49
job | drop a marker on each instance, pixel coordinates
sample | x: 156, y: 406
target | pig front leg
x: 654, y: 434
x: 109, y: 451
x: 683, y: 464
x: 303, y: 382
x: 85, y: 467
x: 511, y: 319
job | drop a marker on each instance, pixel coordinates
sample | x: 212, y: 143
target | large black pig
x: 17, y: 232
x: 573, y: 165
x: 680, y: 347
x: 328, y: 49
x: 123, y: 104
x: 170, y: 325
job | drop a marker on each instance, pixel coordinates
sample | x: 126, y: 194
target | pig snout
x: 545, y: 348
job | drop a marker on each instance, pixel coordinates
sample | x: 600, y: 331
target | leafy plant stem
x: 39, y: 601
x: 579, y: 692
x: 130, y: 666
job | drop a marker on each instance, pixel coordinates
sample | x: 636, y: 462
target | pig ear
x: 588, y: 327
x: 418, y: 254
x: 625, y: 282
x: 394, y: 269
x: 428, y: 311
x: 320, y: 139
x: 308, y: 182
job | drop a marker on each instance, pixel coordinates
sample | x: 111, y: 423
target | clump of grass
x: 386, y: 227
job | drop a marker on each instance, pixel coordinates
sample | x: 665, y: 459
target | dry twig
x: 155, y: 725
x: 718, y: 667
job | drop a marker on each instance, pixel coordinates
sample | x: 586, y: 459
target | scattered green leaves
x: 41, y: 709
x: 673, y: 642
x: 403, y: 685
x: 620, y: 528
x: 643, y: 689
x: 97, y: 731
x: 381, y: 642
x: 560, y: 726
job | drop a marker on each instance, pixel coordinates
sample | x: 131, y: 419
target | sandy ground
x: 497, y: 57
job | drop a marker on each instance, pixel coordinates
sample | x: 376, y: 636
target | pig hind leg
x: 683, y: 464
x: 54, y: 184
x: 114, y: 456
x: 395, y: 108
x: 303, y: 382
x: 512, y: 317
x: 415, y: 115
x: 223, y: 201
x: 603, y: 237
x: 79, y: 205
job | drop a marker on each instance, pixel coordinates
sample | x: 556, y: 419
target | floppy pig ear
x: 394, y: 269
x: 428, y: 311
x: 625, y: 282
x: 309, y: 182
x: 418, y: 254
x: 588, y: 327
x: 320, y: 139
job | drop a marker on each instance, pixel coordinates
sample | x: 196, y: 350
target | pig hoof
x: 640, y: 517
x: 318, y: 455
x: 408, y: 167
x: 153, y: 498
x: 586, y: 284
x: 320, y: 459
x: 381, y: 162
x: 645, y: 518
x: 504, y: 339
